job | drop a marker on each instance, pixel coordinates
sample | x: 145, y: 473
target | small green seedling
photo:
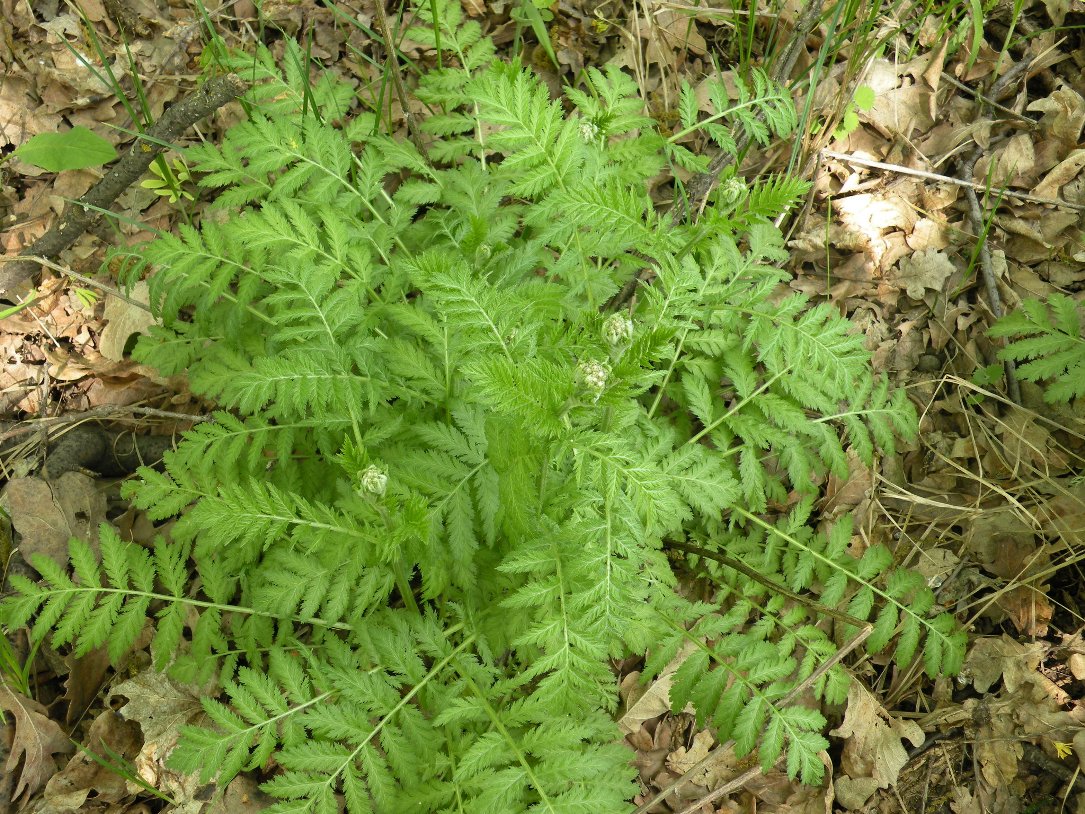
x: 987, y: 377
x: 77, y: 149
x: 86, y: 296
x: 168, y: 179
x: 863, y: 100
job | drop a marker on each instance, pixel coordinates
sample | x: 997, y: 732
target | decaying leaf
x: 48, y: 514
x: 873, y: 753
x: 123, y: 319
x: 926, y: 269
x: 37, y: 739
x: 69, y: 789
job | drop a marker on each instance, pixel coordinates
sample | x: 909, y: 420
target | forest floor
x: 988, y: 502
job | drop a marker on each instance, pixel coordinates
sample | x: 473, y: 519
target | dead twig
x: 88, y: 211
x: 946, y: 179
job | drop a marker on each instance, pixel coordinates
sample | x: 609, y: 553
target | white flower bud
x: 374, y: 482
x: 593, y: 377
x: 617, y: 330
x: 589, y: 131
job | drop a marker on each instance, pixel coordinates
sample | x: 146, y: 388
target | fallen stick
x: 87, y: 211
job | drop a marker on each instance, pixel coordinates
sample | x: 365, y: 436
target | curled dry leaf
x: 37, y: 739
x: 873, y: 753
x: 923, y: 270
x: 70, y: 788
x: 47, y: 514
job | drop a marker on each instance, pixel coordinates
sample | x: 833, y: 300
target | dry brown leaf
x: 122, y: 320
x: 1064, y: 113
x: 845, y: 494
x: 998, y: 746
x: 1014, y: 163
x: 873, y: 752
x: 644, y: 704
x: 48, y: 514
x: 161, y: 707
x: 1006, y: 546
x: 936, y: 564
x: 677, y: 32
x: 69, y: 788
x: 926, y: 269
x: 1028, y: 608
x: 86, y: 675
x: 242, y: 796
x: 37, y: 739
x: 1061, y: 174
x: 714, y: 772
x: 899, y: 108
x: 992, y: 658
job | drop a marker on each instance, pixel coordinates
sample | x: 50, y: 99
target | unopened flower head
x: 589, y: 131
x: 593, y: 376
x: 732, y: 190
x: 374, y: 481
x: 617, y: 330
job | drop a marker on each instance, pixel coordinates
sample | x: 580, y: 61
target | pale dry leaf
x: 965, y: 802
x: 932, y: 74
x: 873, y: 748
x: 86, y: 675
x: 1057, y: 10
x: 845, y: 494
x: 1061, y: 174
x: 997, y: 746
x: 1064, y: 113
x: 1027, y: 608
x: 710, y: 775
x: 158, y: 704
x: 1076, y: 663
x: 993, y: 658
x: 1014, y: 163
x: 242, y: 796
x: 902, y: 110
x: 1006, y: 546
x: 123, y: 319
x: 655, y: 699
x: 70, y: 788
x: 678, y: 32
x: 926, y: 269
x: 48, y: 514
x: 936, y: 564
x: 20, y: 116
x: 37, y: 739
x: 161, y: 707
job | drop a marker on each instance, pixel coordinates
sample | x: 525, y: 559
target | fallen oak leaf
x: 37, y: 739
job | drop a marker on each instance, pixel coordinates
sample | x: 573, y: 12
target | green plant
x: 169, y: 182
x: 863, y: 100
x: 438, y: 499
x: 74, y: 149
x: 1047, y: 345
x: 536, y: 14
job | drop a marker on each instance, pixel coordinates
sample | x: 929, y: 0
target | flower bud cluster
x: 589, y: 131
x: 373, y: 481
x: 618, y: 330
x: 592, y: 376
